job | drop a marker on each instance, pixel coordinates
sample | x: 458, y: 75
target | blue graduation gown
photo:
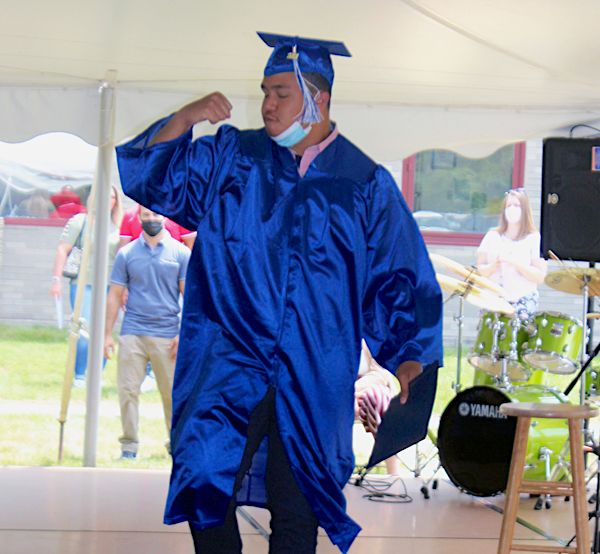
x: 286, y: 275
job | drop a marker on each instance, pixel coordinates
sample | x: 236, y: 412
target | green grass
x: 32, y: 366
x: 32, y: 439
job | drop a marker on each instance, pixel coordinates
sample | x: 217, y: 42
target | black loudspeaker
x: 571, y: 199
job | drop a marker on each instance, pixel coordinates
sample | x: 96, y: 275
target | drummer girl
x: 510, y: 254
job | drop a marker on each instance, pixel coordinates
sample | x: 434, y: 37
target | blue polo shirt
x: 152, y: 276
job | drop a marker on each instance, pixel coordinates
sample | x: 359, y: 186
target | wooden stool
x: 524, y: 411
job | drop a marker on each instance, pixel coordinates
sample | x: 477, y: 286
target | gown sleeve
x: 402, y: 301
x: 176, y: 178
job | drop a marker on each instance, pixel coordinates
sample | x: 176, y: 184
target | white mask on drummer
x: 513, y: 214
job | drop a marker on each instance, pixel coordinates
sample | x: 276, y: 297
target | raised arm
x: 178, y: 177
x: 214, y: 108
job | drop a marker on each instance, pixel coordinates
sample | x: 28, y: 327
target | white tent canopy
x: 457, y: 74
x: 468, y: 76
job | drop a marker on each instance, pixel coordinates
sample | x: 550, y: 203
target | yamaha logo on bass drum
x: 480, y: 410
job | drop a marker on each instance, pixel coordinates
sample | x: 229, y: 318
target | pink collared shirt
x: 313, y: 151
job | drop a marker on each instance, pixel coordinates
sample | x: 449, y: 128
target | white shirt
x: 521, y: 251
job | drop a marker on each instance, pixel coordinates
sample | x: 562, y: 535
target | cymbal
x: 450, y: 284
x: 572, y: 280
x: 474, y: 295
x: 467, y: 273
x: 488, y: 301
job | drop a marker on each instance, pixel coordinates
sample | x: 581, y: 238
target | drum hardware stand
x: 552, y: 472
x: 422, y: 460
x: 584, y: 340
x: 425, y: 487
x: 459, y: 320
x: 594, y: 448
x: 581, y: 372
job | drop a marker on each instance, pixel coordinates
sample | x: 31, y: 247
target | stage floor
x: 119, y: 511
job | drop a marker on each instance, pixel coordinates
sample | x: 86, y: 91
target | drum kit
x: 512, y: 358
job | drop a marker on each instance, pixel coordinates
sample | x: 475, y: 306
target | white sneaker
x: 148, y: 384
x: 79, y: 383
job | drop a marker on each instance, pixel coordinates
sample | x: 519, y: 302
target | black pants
x: 293, y: 522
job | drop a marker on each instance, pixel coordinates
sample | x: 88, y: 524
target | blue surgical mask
x: 292, y: 135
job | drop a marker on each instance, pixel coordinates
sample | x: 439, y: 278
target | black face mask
x: 152, y: 228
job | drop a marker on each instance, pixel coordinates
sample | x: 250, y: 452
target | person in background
x: 131, y: 230
x: 510, y: 254
x: 67, y: 203
x: 74, y: 234
x: 37, y: 205
x: 153, y: 269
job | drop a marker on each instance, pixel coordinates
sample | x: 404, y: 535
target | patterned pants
x: 526, y: 306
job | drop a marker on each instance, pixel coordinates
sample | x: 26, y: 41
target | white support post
x: 100, y: 257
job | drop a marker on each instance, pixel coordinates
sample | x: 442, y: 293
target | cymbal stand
x: 460, y: 322
x: 586, y: 294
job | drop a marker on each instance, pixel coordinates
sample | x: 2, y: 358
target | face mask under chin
x: 292, y: 135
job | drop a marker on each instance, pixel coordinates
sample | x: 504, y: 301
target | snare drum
x: 475, y: 441
x: 482, y: 357
x: 555, y: 343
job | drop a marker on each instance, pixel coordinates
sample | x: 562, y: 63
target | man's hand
x: 109, y: 345
x: 173, y: 348
x: 405, y: 373
x: 213, y: 107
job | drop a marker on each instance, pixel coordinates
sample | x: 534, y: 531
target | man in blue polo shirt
x: 153, y: 268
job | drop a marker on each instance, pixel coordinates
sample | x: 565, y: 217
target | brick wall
x: 25, y: 275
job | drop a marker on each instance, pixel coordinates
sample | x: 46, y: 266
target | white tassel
x: 310, y: 111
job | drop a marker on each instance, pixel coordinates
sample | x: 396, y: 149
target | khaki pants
x: 134, y: 354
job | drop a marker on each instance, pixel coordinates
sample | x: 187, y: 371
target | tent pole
x: 100, y: 254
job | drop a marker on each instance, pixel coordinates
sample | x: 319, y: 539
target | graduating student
x: 304, y: 246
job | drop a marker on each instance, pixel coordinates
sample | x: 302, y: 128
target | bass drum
x: 475, y: 440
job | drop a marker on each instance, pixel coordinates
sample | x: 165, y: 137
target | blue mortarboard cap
x: 314, y: 55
